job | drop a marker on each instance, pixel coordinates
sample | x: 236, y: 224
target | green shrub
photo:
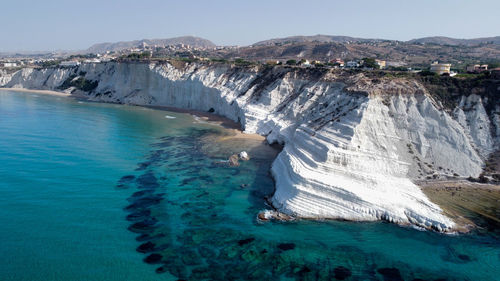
x: 80, y: 83
x: 427, y: 73
x: 142, y: 55
x: 370, y: 63
x: 242, y: 62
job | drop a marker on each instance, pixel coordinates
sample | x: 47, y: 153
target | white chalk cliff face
x: 4, y: 77
x: 353, y: 148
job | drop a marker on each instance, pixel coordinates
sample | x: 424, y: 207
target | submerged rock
x: 142, y: 193
x: 390, y: 274
x: 161, y: 269
x: 233, y: 160
x: 342, y: 273
x: 465, y: 258
x: 142, y: 166
x: 145, y: 201
x: 146, y: 247
x: 147, y: 180
x: 126, y: 179
x: 245, y: 241
x: 153, y: 258
x: 146, y: 237
x: 206, y: 252
x: 139, y: 215
x: 286, y: 246
x: 143, y: 226
x: 189, y: 257
x: 273, y: 215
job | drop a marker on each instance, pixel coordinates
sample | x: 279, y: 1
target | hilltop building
x: 69, y: 63
x: 352, y: 64
x: 305, y: 63
x: 337, y: 61
x: 272, y: 62
x: 92, y: 60
x: 381, y: 63
x: 440, y: 68
x: 9, y: 64
x: 477, y: 68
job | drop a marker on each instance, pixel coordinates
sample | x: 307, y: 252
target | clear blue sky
x: 71, y: 25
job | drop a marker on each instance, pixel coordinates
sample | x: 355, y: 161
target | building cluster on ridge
x: 145, y: 51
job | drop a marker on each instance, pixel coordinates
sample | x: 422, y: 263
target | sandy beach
x: 43, y: 92
x: 469, y: 204
x: 199, y: 115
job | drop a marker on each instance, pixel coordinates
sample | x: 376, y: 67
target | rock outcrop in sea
x: 353, y: 146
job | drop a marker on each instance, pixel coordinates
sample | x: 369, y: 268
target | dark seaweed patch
x: 143, y: 226
x: 161, y: 269
x: 126, y: 179
x: 342, y: 273
x: 147, y: 180
x: 139, y: 215
x: 147, y: 236
x: 245, y: 241
x: 390, y: 274
x: 140, y: 194
x: 465, y: 258
x: 146, y: 247
x: 144, y: 203
x: 286, y: 246
x: 188, y: 180
x: 153, y: 258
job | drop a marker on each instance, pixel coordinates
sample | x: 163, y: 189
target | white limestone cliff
x: 352, y: 147
x: 5, y: 77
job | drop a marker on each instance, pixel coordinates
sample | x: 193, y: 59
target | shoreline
x: 43, y: 92
x: 464, y: 224
x: 208, y: 117
x: 205, y: 116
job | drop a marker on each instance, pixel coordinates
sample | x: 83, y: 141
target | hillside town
x: 186, y: 52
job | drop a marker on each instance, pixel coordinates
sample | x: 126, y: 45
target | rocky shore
x: 353, y: 145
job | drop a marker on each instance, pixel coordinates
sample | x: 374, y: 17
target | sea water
x: 92, y: 191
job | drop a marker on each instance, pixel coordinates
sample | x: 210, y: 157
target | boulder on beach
x: 244, y: 156
x: 233, y: 160
x: 273, y: 215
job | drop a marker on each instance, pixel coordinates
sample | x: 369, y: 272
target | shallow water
x: 110, y: 192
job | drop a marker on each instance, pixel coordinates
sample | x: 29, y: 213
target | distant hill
x: 441, y: 40
x: 117, y: 46
x: 396, y: 53
x: 314, y: 38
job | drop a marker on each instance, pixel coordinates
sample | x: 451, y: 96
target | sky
x: 48, y: 25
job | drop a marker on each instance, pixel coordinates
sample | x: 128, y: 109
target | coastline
x: 240, y: 138
x: 204, y: 116
x: 43, y: 92
x: 207, y: 117
x: 236, y: 136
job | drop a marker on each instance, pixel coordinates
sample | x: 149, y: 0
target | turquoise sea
x: 92, y: 191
